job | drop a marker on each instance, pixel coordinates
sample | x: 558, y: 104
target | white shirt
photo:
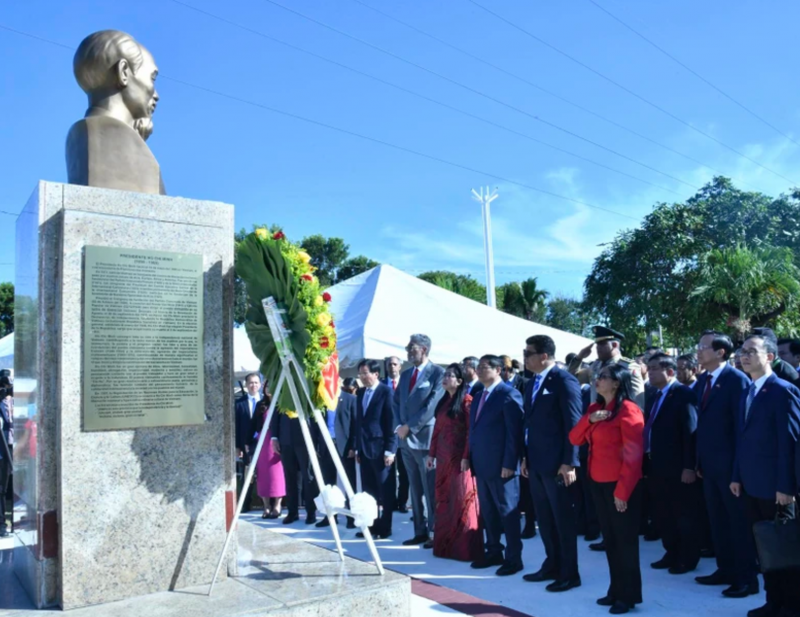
x: 760, y: 382
x: 252, y: 401
x: 541, y: 376
x: 421, y: 367
x: 488, y: 390
x: 473, y: 383
x: 716, y: 374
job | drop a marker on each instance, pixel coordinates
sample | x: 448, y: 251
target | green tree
x: 462, y: 284
x: 327, y: 256
x: 525, y: 300
x: 570, y: 315
x: 355, y: 266
x: 748, y: 287
x: 642, y: 279
x: 239, y: 291
x: 6, y: 308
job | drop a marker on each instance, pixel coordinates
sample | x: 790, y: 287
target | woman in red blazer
x: 613, y: 427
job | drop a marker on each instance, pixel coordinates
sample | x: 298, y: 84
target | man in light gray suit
x: 415, y: 401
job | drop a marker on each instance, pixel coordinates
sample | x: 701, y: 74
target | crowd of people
x: 691, y: 450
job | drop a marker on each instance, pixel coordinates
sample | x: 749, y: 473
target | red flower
x: 278, y: 235
x: 307, y: 277
x: 324, y: 342
x: 333, y: 325
x: 326, y: 296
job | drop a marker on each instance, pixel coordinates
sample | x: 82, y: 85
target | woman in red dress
x: 458, y: 534
x: 613, y: 427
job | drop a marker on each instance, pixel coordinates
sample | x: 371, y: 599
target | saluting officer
x: 608, y: 352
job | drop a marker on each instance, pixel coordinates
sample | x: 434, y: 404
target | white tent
x: 375, y: 313
x: 7, y: 351
x: 244, y: 360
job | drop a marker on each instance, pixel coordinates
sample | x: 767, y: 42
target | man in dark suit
x: 338, y: 422
x: 763, y: 470
x: 288, y: 442
x: 345, y: 413
x: 789, y: 351
x: 244, y: 432
x: 494, y: 448
x: 670, y: 464
x: 414, y: 403
x: 553, y: 405
x: 376, y: 443
x: 470, y: 367
x: 719, y: 390
x: 392, y: 379
x: 781, y: 368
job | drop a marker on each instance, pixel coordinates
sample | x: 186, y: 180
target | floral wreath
x: 271, y: 265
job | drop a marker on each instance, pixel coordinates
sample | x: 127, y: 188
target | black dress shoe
x: 428, y: 544
x: 487, y: 561
x: 416, y: 540
x: 401, y: 509
x: 508, y: 569
x: 350, y: 524
x: 291, y: 518
x: 566, y: 585
x: 540, y: 576
x: 619, y: 608
x: 662, y: 564
x: 606, y: 601
x: 323, y: 523
x: 717, y: 578
x: 681, y: 568
x: 598, y: 546
x: 591, y: 537
x: 741, y: 591
x: 311, y: 518
x: 768, y: 610
x: 707, y: 553
x: 529, y: 532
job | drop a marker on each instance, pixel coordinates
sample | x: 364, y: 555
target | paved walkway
x: 443, y: 585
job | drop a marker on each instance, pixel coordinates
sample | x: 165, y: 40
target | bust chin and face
x: 107, y: 148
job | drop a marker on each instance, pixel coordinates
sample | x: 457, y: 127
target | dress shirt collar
x: 759, y: 383
x: 544, y: 373
x: 374, y: 387
x: 422, y: 366
x: 473, y: 383
x: 717, y: 372
x: 489, y: 389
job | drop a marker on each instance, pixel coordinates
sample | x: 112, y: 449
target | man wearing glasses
x: 415, y: 401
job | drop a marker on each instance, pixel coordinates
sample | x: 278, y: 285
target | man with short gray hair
x: 415, y: 401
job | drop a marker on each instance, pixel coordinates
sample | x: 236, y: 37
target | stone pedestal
x: 110, y: 515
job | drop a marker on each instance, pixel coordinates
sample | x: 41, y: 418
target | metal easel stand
x: 288, y: 361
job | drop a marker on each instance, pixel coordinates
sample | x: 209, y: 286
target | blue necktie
x: 536, y: 382
x: 367, y: 399
x: 750, y: 396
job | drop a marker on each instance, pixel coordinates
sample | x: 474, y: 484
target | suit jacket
x: 784, y: 370
x: 672, y: 438
x: 287, y: 431
x: 345, y: 412
x: 549, y: 419
x: 716, y: 422
x: 495, y: 436
x: 373, y: 427
x: 519, y: 383
x: 244, y: 423
x: 475, y: 393
x: 388, y: 382
x: 766, y: 440
x: 418, y: 407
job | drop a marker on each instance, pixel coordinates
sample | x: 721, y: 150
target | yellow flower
x: 261, y: 234
x: 323, y: 319
x: 328, y: 331
x: 303, y: 256
x: 292, y: 414
x: 318, y: 301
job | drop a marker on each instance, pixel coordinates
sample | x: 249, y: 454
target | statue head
x: 118, y: 75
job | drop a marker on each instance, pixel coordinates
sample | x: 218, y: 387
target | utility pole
x: 485, y: 199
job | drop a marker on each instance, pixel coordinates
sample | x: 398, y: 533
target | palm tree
x: 525, y: 299
x: 750, y: 285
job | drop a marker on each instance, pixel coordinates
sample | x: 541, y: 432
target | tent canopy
x: 7, y: 351
x: 376, y: 312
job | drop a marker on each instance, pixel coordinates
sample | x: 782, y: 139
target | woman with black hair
x: 458, y: 534
x: 613, y: 427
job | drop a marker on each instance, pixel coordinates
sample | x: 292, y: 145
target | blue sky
x: 393, y: 206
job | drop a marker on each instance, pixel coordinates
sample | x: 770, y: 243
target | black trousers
x: 526, y: 506
x: 402, y: 481
x: 557, y: 525
x: 298, y: 478
x: 5, y: 483
x: 703, y: 518
x: 326, y: 463
x: 621, y: 537
x: 380, y: 482
x: 582, y: 495
x: 783, y: 586
x: 675, y: 514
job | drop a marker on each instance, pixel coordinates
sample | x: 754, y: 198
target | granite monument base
x: 107, y: 515
x: 277, y: 577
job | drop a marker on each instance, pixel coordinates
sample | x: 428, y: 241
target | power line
x: 691, y: 70
x: 543, y: 89
x: 359, y: 135
x: 624, y: 89
x: 478, y: 92
x: 423, y: 96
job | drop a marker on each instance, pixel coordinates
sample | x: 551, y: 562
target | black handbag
x: 778, y: 541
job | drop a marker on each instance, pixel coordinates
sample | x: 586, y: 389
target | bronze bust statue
x: 107, y: 148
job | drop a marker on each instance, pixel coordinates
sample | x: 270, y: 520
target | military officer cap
x: 603, y: 333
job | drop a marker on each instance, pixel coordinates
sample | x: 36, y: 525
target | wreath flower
x: 271, y: 265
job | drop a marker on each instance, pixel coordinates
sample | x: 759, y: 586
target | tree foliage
x: 570, y: 315
x: 462, y: 284
x: 526, y: 300
x: 6, y: 308
x: 354, y: 266
x: 643, y: 277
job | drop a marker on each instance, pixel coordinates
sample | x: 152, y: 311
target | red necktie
x: 413, y: 381
x: 394, y: 384
x: 706, y: 393
x: 480, y: 405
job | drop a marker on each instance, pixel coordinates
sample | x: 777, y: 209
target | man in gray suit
x: 415, y: 401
